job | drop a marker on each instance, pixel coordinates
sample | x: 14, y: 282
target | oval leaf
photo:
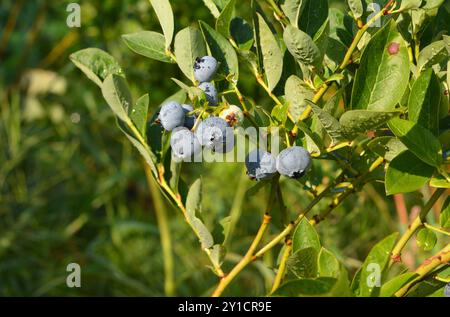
x: 272, y: 55
x: 189, y: 45
x: 96, y: 64
x: 431, y: 55
x: 138, y: 114
x: 355, y: 122
x: 321, y: 286
x: 224, y: 19
x: 444, y: 218
x: 377, y: 260
x: 418, y: 140
x: 149, y: 44
x: 382, y: 77
x: 424, y: 101
x: 165, y: 16
x: 313, y: 15
x: 356, y: 6
x: 193, y: 206
x: 303, y: 263
x: 301, y: 46
x: 407, y: 173
x: 117, y: 94
x: 305, y: 236
x: 426, y: 239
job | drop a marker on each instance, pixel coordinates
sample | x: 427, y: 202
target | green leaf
x: 224, y: 19
x: 279, y: 113
x: 305, y: 236
x: 439, y: 181
x: 379, y: 258
x: 388, y: 289
x: 242, y: 33
x: 382, y: 78
x: 321, y: 286
x: 328, y: 265
x: 314, y: 141
x: 313, y: 15
x: 418, y: 140
x: 218, y: 253
x: 387, y: 147
x: 117, y: 94
x: 407, y: 173
x: 356, y: 6
x: 301, y: 46
x: 179, y: 96
x: 189, y: 45
x: 426, y: 239
x: 296, y: 94
x: 212, y: 8
x: 138, y: 114
x: 321, y: 38
x: 149, y: 44
x: 444, y: 218
x: 291, y: 9
x: 95, y: 64
x: 222, y: 50
x: 193, y: 206
x: 409, y: 4
x: 271, y: 52
x: 303, y: 263
x: 431, y: 55
x: 329, y: 124
x: 426, y: 288
x: 424, y: 101
x: 356, y: 122
x: 165, y: 16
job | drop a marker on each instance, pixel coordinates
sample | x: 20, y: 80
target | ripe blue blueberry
x: 171, y: 115
x: 184, y: 144
x: 210, y: 92
x: 204, y: 68
x: 189, y: 120
x: 260, y: 164
x: 293, y: 162
x: 215, y: 134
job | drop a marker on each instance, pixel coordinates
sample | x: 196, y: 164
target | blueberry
x: 215, y: 134
x: 189, y: 120
x: 293, y: 162
x: 184, y: 144
x: 260, y: 164
x: 210, y: 92
x: 233, y: 115
x: 171, y: 115
x: 204, y: 68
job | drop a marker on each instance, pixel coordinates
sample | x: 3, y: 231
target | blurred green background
x: 72, y: 188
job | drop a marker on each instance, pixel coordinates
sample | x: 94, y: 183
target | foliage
x: 372, y: 110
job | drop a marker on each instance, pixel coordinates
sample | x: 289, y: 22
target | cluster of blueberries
x: 215, y: 133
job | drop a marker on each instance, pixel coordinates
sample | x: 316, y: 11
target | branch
x: 428, y: 266
x: 248, y: 258
x: 282, y: 267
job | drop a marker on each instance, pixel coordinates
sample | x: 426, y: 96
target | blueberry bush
x: 363, y: 88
